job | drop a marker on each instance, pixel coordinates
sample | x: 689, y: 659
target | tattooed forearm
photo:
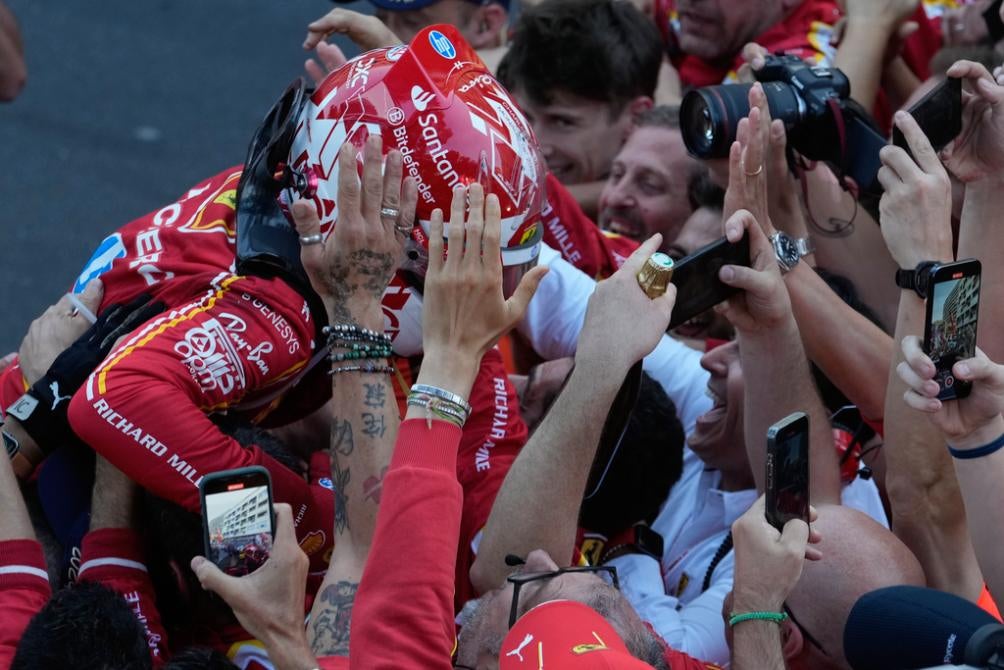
x: 340, y: 482
x: 376, y: 395
x: 374, y: 425
x: 332, y: 624
x: 341, y: 437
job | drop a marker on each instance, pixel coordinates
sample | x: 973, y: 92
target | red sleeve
x: 24, y: 590
x: 113, y: 557
x: 144, y: 408
x: 399, y: 621
x: 492, y: 438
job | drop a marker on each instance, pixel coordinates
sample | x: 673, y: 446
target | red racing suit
x: 233, y: 343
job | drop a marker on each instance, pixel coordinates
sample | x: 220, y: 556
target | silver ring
x: 309, y: 240
x: 404, y: 230
x: 390, y: 212
x: 73, y: 312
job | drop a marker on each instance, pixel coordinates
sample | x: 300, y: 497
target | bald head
x: 859, y: 556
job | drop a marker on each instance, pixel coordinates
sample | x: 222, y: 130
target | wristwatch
x: 918, y: 279
x: 789, y: 250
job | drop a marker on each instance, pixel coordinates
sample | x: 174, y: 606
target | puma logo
x: 54, y: 387
x: 518, y: 651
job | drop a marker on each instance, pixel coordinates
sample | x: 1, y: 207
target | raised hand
x: 763, y: 303
x: 351, y: 268
x: 968, y: 422
x: 916, y: 207
x: 978, y: 151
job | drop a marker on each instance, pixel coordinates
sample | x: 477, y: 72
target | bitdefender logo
x: 421, y: 98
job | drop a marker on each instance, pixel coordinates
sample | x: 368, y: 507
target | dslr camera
x: 822, y: 122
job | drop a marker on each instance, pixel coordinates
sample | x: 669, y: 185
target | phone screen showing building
x: 952, y: 335
x: 240, y: 528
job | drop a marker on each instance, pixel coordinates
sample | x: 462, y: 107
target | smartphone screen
x: 788, y: 470
x: 953, y: 307
x: 698, y: 287
x: 939, y: 115
x: 237, y: 519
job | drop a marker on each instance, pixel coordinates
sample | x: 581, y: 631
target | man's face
x: 646, y: 192
x: 578, y: 138
x: 718, y: 434
x: 407, y: 24
x: 538, y: 389
x: 717, y: 30
x: 481, y: 638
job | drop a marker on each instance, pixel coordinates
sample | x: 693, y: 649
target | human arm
x: 927, y: 509
x: 12, y: 69
x: 112, y: 552
x: 768, y: 565
x: 965, y: 425
x: 551, y: 471
x: 864, y: 49
x: 350, y: 272
x: 770, y: 344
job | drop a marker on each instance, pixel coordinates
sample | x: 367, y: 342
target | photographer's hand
x: 978, y: 151
x: 916, y: 207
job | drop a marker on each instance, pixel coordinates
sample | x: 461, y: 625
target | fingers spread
x: 517, y: 304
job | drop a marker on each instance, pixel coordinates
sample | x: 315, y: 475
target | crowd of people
x: 423, y: 305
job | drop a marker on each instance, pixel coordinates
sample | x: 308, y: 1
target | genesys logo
x: 442, y: 44
x: 421, y: 98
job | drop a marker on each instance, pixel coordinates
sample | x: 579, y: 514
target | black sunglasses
x: 520, y: 579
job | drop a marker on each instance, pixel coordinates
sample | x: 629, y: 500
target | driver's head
x: 435, y: 102
x: 481, y: 22
x: 582, y: 71
x: 587, y: 604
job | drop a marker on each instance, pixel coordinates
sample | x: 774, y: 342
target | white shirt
x: 554, y: 320
x: 694, y: 522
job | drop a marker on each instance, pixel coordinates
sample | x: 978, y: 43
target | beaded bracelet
x: 361, y: 351
x: 439, y: 408
x: 367, y: 367
x: 352, y: 333
x: 776, y: 617
x: 442, y: 394
x: 978, y: 452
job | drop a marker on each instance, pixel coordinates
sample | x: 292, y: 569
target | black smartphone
x: 939, y: 115
x: 995, y: 27
x: 237, y: 519
x: 788, y: 470
x: 953, y: 308
x: 698, y: 287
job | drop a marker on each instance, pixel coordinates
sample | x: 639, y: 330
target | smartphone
x: 698, y: 287
x: 939, y: 115
x: 788, y: 470
x: 953, y: 308
x: 992, y: 16
x: 237, y: 519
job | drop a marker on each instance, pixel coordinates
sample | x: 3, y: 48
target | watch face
x: 786, y: 249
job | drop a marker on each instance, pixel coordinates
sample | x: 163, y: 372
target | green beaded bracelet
x: 776, y: 617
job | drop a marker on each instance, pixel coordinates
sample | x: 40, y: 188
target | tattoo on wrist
x: 332, y: 626
x: 341, y: 437
x: 340, y: 483
x: 373, y: 268
x: 374, y: 425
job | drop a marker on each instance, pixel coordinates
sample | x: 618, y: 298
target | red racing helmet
x: 435, y: 102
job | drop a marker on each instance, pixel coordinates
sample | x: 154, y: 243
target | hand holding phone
x: 953, y: 308
x: 788, y: 470
x: 939, y: 115
x: 237, y: 519
x: 698, y: 287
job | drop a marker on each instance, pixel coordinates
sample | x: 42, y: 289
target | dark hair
x: 660, y: 116
x: 832, y: 397
x: 647, y: 464
x: 702, y: 191
x: 195, y: 658
x: 86, y: 626
x: 602, y: 50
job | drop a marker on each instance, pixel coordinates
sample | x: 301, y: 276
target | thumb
x: 520, y: 299
x: 990, y: 91
x: 211, y: 577
x: 980, y: 368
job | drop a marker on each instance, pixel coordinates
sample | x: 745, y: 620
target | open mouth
x: 717, y: 411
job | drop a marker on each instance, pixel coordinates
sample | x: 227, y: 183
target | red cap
x: 565, y: 634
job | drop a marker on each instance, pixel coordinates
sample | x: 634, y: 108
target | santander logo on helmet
x: 454, y: 124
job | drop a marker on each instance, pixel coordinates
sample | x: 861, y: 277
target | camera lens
x: 709, y: 117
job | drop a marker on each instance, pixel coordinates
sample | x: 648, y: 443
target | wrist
x: 449, y: 370
x: 746, y: 600
x: 364, y: 313
x: 981, y: 436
